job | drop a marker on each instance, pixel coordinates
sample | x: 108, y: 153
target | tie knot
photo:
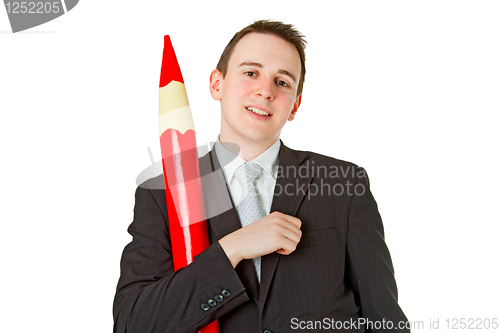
x: 247, y: 172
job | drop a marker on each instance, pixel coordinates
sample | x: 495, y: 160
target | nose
x: 265, y: 89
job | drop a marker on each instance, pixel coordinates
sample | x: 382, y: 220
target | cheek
x: 286, y: 103
x: 236, y: 96
x: 243, y: 92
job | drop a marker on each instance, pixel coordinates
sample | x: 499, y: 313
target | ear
x: 215, y: 84
x: 296, y: 105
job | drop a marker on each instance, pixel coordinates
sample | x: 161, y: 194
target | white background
x: 408, y: 90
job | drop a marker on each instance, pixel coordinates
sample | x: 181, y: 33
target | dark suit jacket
x: 341, y: 269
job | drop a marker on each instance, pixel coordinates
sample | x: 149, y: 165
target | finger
x: 292, y: 235
x: 290, y: 219
x: 287, y: 247
x: 285, y: 224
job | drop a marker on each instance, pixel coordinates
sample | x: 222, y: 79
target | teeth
x: 259, y: 112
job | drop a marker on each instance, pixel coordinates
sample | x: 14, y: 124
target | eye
x: 282, y: 83
x: 250, y: 73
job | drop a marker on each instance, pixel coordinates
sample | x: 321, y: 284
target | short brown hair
x: 285, y: 31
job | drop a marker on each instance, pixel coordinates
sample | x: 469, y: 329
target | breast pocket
x: 319, y: 237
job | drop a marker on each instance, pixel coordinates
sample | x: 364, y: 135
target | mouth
x: 258, y: 111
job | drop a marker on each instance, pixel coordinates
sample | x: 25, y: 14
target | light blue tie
x: 249, y: 209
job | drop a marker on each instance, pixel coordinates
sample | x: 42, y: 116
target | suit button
x: 205, y: 307
x: 219, y: 298
x: 267, y: 331
x: 212, y: 303
x: 226, y: 293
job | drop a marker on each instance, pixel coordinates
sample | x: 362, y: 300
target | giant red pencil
x: 181, y: 170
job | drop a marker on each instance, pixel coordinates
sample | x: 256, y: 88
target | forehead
x: 269, y: 50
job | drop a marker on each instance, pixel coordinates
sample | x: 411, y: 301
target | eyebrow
x: 256, y: 64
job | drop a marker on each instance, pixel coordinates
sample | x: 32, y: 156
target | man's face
x: 262, y: 76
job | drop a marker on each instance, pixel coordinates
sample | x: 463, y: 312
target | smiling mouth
x: 257, y: 111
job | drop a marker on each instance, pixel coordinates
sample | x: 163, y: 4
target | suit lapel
x: 286, y: 202
x: 227, y: 222
x: 288, y: 195
x: 221, y: 223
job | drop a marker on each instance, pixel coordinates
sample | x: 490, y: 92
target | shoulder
x: 155, y: 183
x: 153, y: 188
x: 321, y: 166
x: 319, y: 159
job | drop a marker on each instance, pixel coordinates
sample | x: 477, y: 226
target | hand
x: 275, y: 232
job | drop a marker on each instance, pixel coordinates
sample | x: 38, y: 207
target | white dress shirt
x: 264, y: 183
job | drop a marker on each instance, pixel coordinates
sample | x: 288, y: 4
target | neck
x: 248, y: 149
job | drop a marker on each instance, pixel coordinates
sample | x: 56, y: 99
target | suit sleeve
x: 151, y: 297
x: 370, y: 264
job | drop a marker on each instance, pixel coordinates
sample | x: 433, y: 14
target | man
x: 285, y: 257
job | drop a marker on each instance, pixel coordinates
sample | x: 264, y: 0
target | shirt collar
x: 268, y: 160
